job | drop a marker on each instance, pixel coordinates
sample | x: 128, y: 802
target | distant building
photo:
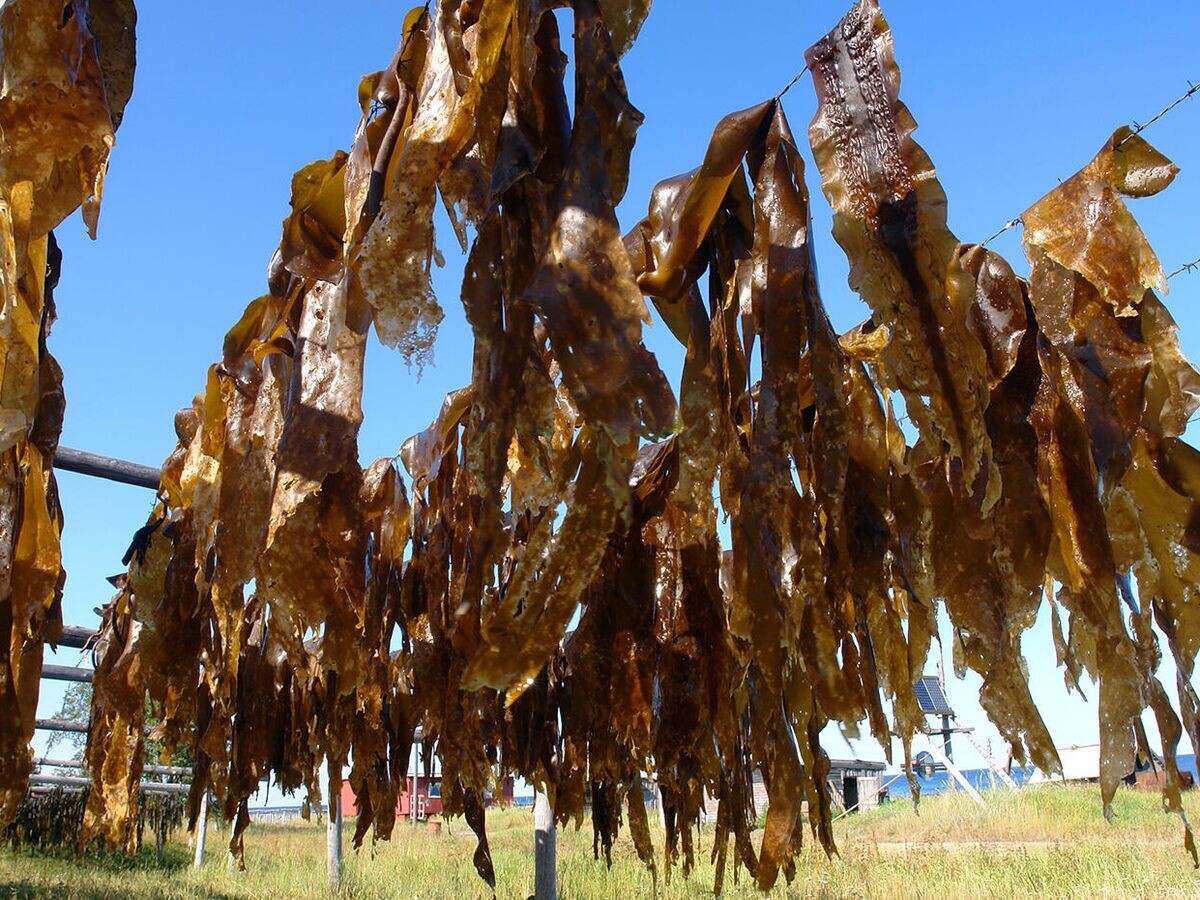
x: 1081, y: 763
x: 856, y: 784
x: 428, y: 792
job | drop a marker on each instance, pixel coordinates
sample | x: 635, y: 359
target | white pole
x: 545, y: 882
x: 201, y: 831
x: 416, y: 783
x: 957, y: 775
x: 334, y: 835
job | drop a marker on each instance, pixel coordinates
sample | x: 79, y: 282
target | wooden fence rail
x: 78, y: 764
x: 150, y: 787
x: 120, y: 470
x: 77, y: 638
x: 68, y: 673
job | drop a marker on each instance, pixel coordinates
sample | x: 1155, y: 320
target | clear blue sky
x: 231, y: 100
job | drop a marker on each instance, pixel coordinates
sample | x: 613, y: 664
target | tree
x: 75, y: 707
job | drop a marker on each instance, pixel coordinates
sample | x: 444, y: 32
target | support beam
x: 958, y: 776
x: 333, y: 844
x: 68, y: 673
x: 545, y: 875
x: 77, y: 638
x: 68, y: 725
x: 201, y: 832
x: 150, y: 787
x: 119, y: 470
x: 996, y: 768
x: 183, y: 771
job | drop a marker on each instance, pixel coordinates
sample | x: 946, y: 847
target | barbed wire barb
x: 1138, y: 129
x: 1186, y: 267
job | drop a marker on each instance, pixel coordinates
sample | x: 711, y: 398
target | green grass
x: 1041, y: 842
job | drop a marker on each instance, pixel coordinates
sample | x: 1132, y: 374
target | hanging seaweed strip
x: 67, y: 72
x: 890, y: 218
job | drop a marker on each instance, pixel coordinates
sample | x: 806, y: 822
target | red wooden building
x: 429, y: 797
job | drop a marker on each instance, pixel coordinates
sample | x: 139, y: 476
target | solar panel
x: 931, y: 697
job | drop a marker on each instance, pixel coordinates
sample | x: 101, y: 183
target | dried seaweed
x: 67, y: 72
x: 546, y: 594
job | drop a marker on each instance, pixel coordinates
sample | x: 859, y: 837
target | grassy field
x: 1043, y: 842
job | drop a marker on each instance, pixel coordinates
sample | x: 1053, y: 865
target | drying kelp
x: 890, y: 218
x: 542, y: 591
x: 1109, y: 343
x: 50, y: 820
x: 66, y: 73
x: 118, y: 712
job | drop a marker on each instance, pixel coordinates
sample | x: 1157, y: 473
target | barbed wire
x: 787, y: 87
x: 1136, y: 129
x: 1186, y: 267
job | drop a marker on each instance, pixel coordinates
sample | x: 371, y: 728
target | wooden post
x: 416, y: 779
x: 119, y: 470
x: 545, y: 879
x: 334, y: 837
x: 201, y: 831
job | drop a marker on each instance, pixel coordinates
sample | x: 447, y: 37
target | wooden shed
x: 856, y: 783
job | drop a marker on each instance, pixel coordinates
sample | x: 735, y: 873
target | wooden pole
x: 76, y: 637
x: 416, y: 781
x: 201, y: 831
x: 150, y: 787
x: 545, y: 879
x: 67, y: 673
x: 61, y: 725
x: 78, y: 764
x: 333, y: 845
x: 119, y: 470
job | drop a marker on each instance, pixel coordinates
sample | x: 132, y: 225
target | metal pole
x: 545, y: 880
x: 201, y: 831
x: 334, y: 838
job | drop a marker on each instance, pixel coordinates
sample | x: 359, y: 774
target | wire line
x: 1137, y: 129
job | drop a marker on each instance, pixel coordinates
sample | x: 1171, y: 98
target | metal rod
x: 120, y: 470
x: 545, y: 878
x: 150, y: 787
x: 68, y: 673
x: 77, y: 764
x: 77, y: 638
x: 201, y: 831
